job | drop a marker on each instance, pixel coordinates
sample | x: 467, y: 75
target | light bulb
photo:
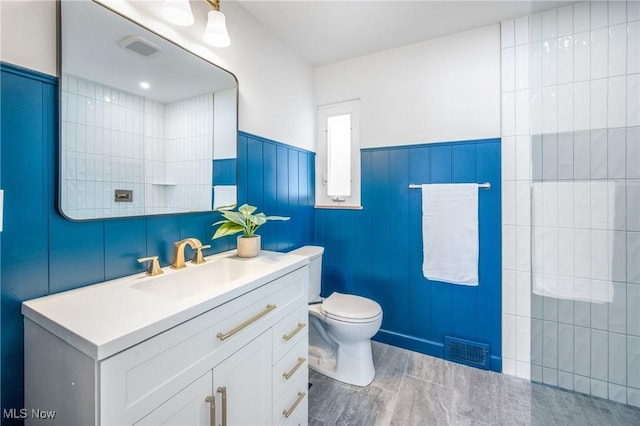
x: 177, y: 12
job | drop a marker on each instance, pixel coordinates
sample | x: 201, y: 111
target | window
x: 338, y: 156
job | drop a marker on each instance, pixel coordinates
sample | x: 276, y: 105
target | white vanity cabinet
x: 241, y: 362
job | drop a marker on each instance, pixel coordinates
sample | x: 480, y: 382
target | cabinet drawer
x: 295, y: 402
x: 135, y: 381
x: 289, y: 331
x: 293, y: 365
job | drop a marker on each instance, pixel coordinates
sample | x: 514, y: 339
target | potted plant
x: 246, y: 222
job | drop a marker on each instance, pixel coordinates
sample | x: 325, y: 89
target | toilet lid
x: 352, y: 307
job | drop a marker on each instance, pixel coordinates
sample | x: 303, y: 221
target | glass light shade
x: 216, y: 32
x: 177, y: 12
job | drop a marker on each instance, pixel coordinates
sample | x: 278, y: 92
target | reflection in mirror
x: 139, y: 117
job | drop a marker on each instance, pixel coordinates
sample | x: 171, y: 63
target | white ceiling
x: 327, y: 31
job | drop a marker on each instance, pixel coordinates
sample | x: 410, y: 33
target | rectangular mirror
x: 146, y: 127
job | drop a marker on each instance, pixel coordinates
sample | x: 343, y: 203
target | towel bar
x: 485, y: 185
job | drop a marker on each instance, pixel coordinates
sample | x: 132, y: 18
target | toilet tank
x: 314, y: 253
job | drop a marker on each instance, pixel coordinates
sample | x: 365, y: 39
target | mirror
x: 146, y: 127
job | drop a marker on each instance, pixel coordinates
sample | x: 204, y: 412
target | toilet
x: 340, y: 328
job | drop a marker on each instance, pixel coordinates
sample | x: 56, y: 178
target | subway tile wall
x: 118, y: 140
x: 571, y: 200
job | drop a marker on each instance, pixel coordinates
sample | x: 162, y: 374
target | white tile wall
x: 107, y: 149
x: 571, y: 197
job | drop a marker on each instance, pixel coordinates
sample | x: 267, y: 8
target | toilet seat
x: 350, y: 308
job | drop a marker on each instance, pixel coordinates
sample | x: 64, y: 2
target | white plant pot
x: 248, y: 247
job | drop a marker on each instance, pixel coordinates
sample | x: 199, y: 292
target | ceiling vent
x: 139, y: 45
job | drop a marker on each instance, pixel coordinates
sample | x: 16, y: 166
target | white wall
x: 276, y: 86
x: 439, y: 90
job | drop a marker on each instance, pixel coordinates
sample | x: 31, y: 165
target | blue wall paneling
x: 377, y: 252
x: 44, y: 253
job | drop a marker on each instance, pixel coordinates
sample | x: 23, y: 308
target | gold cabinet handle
x: 224, y: 336
x: 288, y: 412
x: 288, y: 375
x: 223, y: 390
x: 211, y: 400
x: 289, y: 336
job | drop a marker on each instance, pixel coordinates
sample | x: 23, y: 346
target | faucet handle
x: 198, y: 258
x: 154, y: 265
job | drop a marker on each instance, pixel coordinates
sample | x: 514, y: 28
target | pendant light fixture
x: 216, y: 32
x: 179, y: 12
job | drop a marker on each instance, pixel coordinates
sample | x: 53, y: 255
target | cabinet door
x: 188, y: 407
x: 242, y: 384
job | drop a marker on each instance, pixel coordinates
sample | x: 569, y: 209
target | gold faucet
x: 154, y: 266
x: 178, y: 251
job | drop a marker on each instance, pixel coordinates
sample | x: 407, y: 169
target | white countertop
x: 106, y: 318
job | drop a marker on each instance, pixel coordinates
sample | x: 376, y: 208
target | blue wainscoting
x: 43, y: 253
x: 377, y: 252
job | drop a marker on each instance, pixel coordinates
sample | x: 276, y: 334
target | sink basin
x: 197, y: 279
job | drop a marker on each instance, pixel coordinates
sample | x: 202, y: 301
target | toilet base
x: 354, y: 364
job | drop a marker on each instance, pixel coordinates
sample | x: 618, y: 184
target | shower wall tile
x: 633, y: 47
x: 565, y: 348
x: 599, y: 14
x: 582, y: 352
x: 598, y: 154
x: 536, y: 27
x: 582, y: 155
x: 618, y: 50
x: 509, y: 292
x: 565, y: 156
x: 633, y: 253
x: 522, y: 158
x: 618, y: 393
x: 633, y: 100
x: 616, y: 102
x: 509, y: 203
x: 599, y: 52
x: 616, y: 153
x: 633, y: 361
x: 523, y: 249
x: 618, y: 359
x: 550, y: 157
x: 633, y: 153
x: 633, y: 205
x: 508, y: 155
x: 599, y: 355
x: 617, y: 12
x: 565, y: 380
x: 598, y: 104
x: 565, y: 21
x: 508, y: 69
x: 582, y: 56
x: 522, y: 56
x: 522, y: 31
x: 633, y: 10
x: 581, y: 17
x: 522, y: 112
x: 633, y: 309
x: 507, y: 31
x: 582, y: 384
x: 565, y: 107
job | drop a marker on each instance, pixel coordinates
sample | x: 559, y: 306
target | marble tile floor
x: 415, y: 389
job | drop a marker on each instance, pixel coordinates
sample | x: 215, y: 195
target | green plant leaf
x: 235, y: 217
x: 246, y: 209
x: 258, y: 219
x: 227, y: 228
x: 225, y: 208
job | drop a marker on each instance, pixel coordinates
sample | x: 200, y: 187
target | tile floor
x: 416, y: 389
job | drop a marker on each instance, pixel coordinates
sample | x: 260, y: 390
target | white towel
x: 450, y: 233
x: 224, y: 195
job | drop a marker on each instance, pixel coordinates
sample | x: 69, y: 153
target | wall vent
x: 467, y: 352
x: 139, y: 45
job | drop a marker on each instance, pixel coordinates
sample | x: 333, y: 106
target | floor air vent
x: 466, y: 352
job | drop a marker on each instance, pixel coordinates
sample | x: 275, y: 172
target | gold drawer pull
x: 289, y: 412
x: 211, y: 400
x: 223, y: 336
x: 288, y: 375
x: 289, y: 336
